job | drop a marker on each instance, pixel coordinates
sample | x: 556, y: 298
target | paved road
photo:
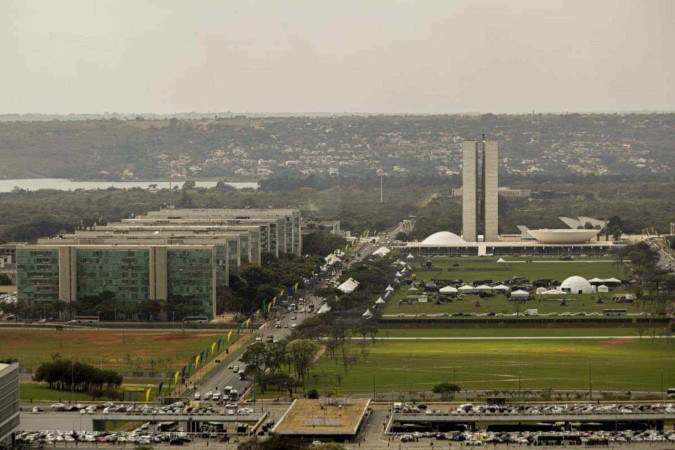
x: 497, y: 338
x: 223, y: 376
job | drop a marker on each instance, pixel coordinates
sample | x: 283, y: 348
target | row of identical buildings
x: 172, y: 253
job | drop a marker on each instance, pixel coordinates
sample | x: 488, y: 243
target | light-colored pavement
x: 498, y: 338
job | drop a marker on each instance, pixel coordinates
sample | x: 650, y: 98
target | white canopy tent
x: 410, y: 256
x: 367, y: 314
x: 603, y: 289
x: 520, y: 294
x: 380, y: 301
x: 596, y: 281
x: 484, y: 287
x: 612, y: 281
x: 389, y: 288
x: 466, y: 288
x: 324, y: 309
x: 541, y: 290
x: 502, y: 287
x: 448, y: 290
x: 501, y: 260
x: 382, y: 251
x: 348, y: 286
x: 553, y: 292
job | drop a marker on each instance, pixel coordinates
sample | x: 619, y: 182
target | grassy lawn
x: 631, y: 364
x: 500, y: 304
x: 469, y: 270
x: 36, y: 391
x: 485, y: 331
x: 109, y: 349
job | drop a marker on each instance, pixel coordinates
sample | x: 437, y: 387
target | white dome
x: 577, y: 285
x: 444, y: 239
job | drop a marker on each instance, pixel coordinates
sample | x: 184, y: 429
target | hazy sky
x: 60, y: 56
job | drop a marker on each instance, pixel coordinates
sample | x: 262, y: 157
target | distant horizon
x: 230, y: 114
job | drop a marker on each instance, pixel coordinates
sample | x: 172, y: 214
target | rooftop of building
x: 327, y: 417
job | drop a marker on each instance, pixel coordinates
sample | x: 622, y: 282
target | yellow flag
x: 175, y: 377
x: 248, y: 322
x: 296, y: 285
x: 199, y: 357
x: 283, y: 291
x: 147, y: 394
x: 269, y: 307
x: 229, y: 335
x: 257, y: 313
x: 213, y: 348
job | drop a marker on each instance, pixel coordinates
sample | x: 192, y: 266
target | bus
x: 195, y: 319
x: 671, y: 392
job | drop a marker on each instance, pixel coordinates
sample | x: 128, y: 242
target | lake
x: 61, y: 184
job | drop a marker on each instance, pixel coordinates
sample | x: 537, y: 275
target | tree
x: 301, y: 353
x: 189, y: 185
x: 255, y: 358
x: 446, y: 390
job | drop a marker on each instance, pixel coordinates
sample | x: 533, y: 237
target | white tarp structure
x: 484, y: 287
x: 553, y: 292
x: 603, y: 288
x: 382, y: 251
x: 612, y: 281
x: 348, y: 286
x: 399, y: 274
x: 367, y: 314
x: 324, y: 309
x: 389, y: 288
x: 502, y: 287
x: 541, y: 290
x: 596, y: 281
x: 520, y: 294
x: 380, y: 301
x: 410, y: 256
x: 501, y: 260
x: 331, y: 259
x: 448, y: 290
x: 466, y: 288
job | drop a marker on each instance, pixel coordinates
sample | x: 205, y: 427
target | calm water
x: 70, y: 185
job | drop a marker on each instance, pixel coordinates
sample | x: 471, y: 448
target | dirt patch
x: 614, y: 342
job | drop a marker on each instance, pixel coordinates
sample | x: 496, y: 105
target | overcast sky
x: 447, y: 56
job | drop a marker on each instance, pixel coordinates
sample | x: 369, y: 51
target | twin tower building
x: 480, y: 191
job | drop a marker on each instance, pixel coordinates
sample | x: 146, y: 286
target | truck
x: 531, y: 312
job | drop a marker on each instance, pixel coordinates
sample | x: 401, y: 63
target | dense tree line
x: 67, y: 375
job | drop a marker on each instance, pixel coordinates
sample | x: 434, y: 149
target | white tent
x: 410, y: 256
x: 380, y: 301
x: 448, y: 290
x: 466, y: 288
x: 596, y: 281
x: 367, y: 314
x: 541, y: 290
x: 603, y: 288
x: 348, y: 286
x: 382, y: 251
x: 520, y: 294
x: 399, y: 274
x: 501, y: 260
x: 553, y: 292
x: 389, y: 288
x: 502, y: 287
x: 412, y: 289
x: 324, y: 309
x: 484, y: 287
x: 331, y: 259
x: 612, y: 281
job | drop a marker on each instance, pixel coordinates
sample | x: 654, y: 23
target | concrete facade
x: 491, y: 190
x: 470, y: 191
x: 480, y: 191
x: 9, y: 404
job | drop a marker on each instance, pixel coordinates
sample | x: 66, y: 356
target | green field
x: 500, y: 304
x: 469, y: 270
x: 415, y: 366
x: 37, y: 391
x: 486, y: 331
x: 109, y: 349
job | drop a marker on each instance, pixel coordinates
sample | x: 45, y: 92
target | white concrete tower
x: 469, y: 191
